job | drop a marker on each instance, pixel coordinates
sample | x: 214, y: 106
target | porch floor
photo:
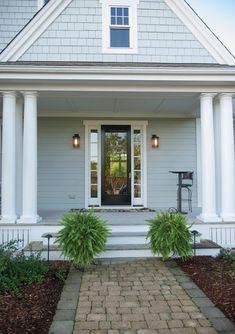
x: 115, y: 217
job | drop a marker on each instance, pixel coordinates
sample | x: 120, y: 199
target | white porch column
x: 227, y: 158
x: 8, y: 158
x: 208, y: 160
x: 19, y: 155
x: 29, y: 206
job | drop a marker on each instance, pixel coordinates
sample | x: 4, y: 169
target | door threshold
x: 118, y: 207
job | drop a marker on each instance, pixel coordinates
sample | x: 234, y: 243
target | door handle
x: 129, y: 175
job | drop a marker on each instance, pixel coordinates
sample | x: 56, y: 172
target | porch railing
x: 223, y: 236
x: 21, y: 236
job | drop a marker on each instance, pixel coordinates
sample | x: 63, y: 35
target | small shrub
x: 169, y: 234
x: 17, y: 269
x: 83, y: 236
x: 229, y: 255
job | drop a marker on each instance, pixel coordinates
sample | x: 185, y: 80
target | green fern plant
x: 169, y: 234
x: 83, y: 236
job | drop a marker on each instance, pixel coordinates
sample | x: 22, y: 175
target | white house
x: 113, y: 75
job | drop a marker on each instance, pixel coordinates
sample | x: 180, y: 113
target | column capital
x: 207, y: 95
x: 226, y: 95
x: 9, y: 93
x: 29, y: 93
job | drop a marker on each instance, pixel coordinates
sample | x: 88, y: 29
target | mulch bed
x: 211, y: 275
x: 33, y: 311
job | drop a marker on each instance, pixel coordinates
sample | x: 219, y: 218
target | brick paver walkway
x: 141, y: 297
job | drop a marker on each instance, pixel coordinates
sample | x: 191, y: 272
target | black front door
x: 116, y: 165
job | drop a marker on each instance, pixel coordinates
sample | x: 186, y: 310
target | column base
x: 228, y: 218
x: 29, y: 219
x: 209, y: 218
x: 8, y: 219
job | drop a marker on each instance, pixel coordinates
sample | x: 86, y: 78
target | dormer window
x: 119, y: 23
x: 119, y: 27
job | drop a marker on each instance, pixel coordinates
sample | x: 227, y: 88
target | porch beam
x: 227, y: 158
x: 8, y: 214
x: 29, y: 186
x: 209, y: 213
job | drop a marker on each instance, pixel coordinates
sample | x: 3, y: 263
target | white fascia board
x: 25, y: 39
x: 201, y: 31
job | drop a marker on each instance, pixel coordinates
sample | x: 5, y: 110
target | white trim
x: 33, y: 30
x: 132, y: 5
x: 114, y: 122
x: 199, y: 177
x: 96, y: 124
x: 201, y: 31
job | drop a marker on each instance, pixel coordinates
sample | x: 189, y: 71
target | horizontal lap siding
x: 177, y: 151
x: 60, y: 166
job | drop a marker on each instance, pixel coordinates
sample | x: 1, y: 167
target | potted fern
x: 169, y: 234
x: 83, y: 236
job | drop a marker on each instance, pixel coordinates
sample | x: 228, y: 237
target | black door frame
x: 115, y: 199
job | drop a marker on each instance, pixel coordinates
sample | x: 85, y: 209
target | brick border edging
x: 64, y: 318
x: 219, y: 321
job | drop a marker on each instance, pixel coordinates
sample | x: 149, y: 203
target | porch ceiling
x: 113, y: 104
x: 116, y: 105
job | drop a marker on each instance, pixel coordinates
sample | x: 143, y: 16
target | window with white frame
x: 119, y: 25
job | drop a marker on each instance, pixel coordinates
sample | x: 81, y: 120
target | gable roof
x: 201, y: 31
x: 35, y: 28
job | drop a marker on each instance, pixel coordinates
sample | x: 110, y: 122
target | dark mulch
x: 211, y: 275
x: 33, y: 311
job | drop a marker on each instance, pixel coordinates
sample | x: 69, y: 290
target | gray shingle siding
x: 14, y: 14
x: 76, y: 35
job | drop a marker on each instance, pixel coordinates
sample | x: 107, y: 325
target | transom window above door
x: 119, y: 26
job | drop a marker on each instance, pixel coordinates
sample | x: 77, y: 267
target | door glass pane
x: 115, y: 163
x: 93, y: 163
x: 137, y: 163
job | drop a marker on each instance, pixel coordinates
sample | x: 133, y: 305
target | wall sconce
x: 76, y: 140
x: 155, y: 141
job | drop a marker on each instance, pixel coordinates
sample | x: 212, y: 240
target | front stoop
x: 219, y: 321
x: 64, y: 318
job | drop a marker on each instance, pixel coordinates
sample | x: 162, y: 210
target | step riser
x: 126, y: 240
x: 57, y: 255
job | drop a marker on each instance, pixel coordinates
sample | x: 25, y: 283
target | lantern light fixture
x: 76, y: 140
x: 155, y: 141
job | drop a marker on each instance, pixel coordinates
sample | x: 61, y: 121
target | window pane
x: 94, y: 136
x: 137, y: 165
x: 119, y: 38
x: 94, y: 191
x: 119, y: 11
x: 137, y: 150
x: 113, y: 21
x: 94, y: 163
x: 94, y: 150
x: 119, y: 20
x: 137, y: 177
x: 113, y: 11
x: 94, y: 178
x: 126, y: 11
x: 126, y: 21
x: 137, y: 191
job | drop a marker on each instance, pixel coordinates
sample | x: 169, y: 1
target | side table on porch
x: 179, y: 190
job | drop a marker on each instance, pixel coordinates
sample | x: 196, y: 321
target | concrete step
x: 129, y: 250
